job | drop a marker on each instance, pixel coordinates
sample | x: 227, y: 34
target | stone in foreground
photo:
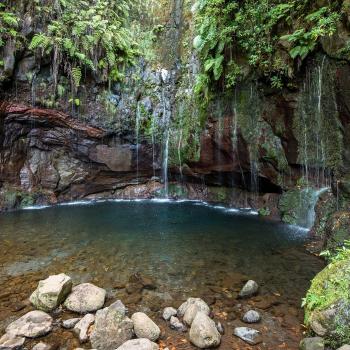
x: 85, y: 298
x: 8, y: 342
x: 32, y: 325
x: 251, y: 316
x: 168, y: 312
x: 345, y: 347
x: 144, y: 327
x: 112, y: 329
x: 315, y: 343
x: 41, y: 346
x: 203, y: 332
x: 250, y: 288
x: 82, y: 327
x: 249, y: 335
x: 177, y: 325
x: 193, y: 309
x: 51, y: 292
x: 200, y: 303
x: 139, y: 344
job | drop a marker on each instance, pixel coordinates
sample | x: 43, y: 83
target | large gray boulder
x: 112, y: 329
x: 250, y: 288
x: 82, y: 327
x: 249, y: 335
x: 144, y: 327
x: 189, y: 309
x: 315, y: 343
x: 139, y: 344
x: 203, y: 332
x: 32, y: 325
x: 85, y: 298
x: 51, y: 292
x: 8, y: 342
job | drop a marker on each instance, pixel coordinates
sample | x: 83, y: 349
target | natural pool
x: 187, y: 248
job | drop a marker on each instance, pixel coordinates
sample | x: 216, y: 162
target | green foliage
x: 87, y: 34
x: 323, y: 22
x: 8, y: 25
x: 234, y: 34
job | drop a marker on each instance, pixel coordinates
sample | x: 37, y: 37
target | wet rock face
x: 50, y: 151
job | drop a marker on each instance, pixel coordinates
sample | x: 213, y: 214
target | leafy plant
x: 8, y: 25
x: 87, y: 35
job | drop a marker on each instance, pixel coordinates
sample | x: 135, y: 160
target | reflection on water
x: 185, y: 246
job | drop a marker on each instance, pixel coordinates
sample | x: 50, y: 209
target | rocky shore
x: 95, y: 320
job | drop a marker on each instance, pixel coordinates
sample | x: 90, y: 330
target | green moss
x: 328, y: 300
x: 294, y: 204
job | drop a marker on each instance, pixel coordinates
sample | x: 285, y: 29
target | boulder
x: 249, y: 335
x: 139, y: 344
x: 32, y: 325
x: 41, y: 346
x: 327, y: 309
x: 345, y: 347
x: 193, y: 309
x: 144, y: 327
x: 251, y: 316
x: 177, y: 325
x: 8, y: 342
x: 168, y: 312
x: 203, y: 332
x: 69, y: 324
x: 315, y: 343
x: 200, y: 304
x: 112, y: 329
x: 85, y: 298
x: 82, y: 327
x: 250, y: 288
x: 51, y: 292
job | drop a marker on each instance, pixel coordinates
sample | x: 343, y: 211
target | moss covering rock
x: 327, y: 302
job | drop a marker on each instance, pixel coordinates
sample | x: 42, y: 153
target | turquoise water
x: 185, y: 246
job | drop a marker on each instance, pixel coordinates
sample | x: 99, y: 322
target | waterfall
x: 166, y: 134
x: 310, y: 213
x: 137, y: 132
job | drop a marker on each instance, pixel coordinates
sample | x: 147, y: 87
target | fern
x: 76, y: 76
x: 39, y: 41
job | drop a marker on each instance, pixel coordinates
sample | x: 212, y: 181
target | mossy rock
x: 337, y: 229
x: 327, y: 303
x: 295, y: 204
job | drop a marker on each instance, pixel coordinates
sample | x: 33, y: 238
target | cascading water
x: 137, y: 132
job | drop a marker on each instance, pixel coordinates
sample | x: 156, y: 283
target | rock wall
x: 254, y: 144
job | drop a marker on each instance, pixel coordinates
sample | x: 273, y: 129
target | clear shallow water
x: 186, y: 246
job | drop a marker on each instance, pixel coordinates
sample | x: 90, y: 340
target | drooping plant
x: 87, y: 35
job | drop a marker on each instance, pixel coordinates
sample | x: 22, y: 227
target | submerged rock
x: 315, y: 343
x: 85, y: 298
x: 251, y: 316
x: 168, y: 312
x: 177, y: 325
x: 112, y: 329
x: 51, y: 292
x: 249, y: 335
x: 41, y: 346
x: 144, y: 327
x: 203, y: 332
x: 32, y: 325
x: 250, y: 288
x: 119, y: 306
x: 8, y: 342
x: 68, y: 324
x: 139, y: 344
x: 82, y: 327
